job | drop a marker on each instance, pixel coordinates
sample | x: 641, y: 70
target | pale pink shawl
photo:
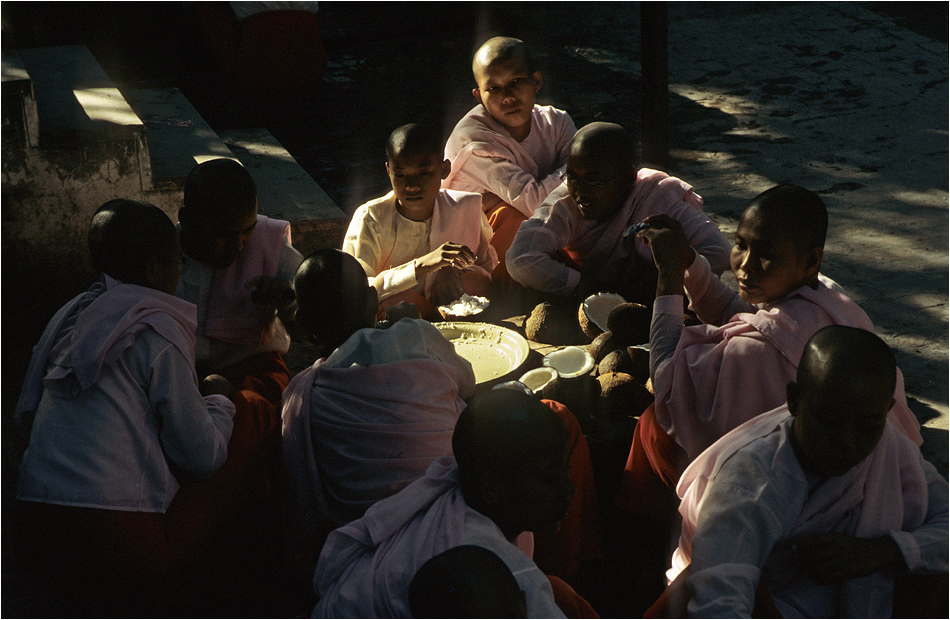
x: 457, y: 218
x: 480, y: 135
x: 601, y: 245
x: 886, y: 492
x: 352, y: 436
x: 396, y: 536
x: 231, y: 314
x: 94, y: 329
x: 720, y: 377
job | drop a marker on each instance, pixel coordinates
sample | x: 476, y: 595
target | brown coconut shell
x: 640, y: 360
x: 630, y: 322
x: 549, y: 324
x: 621, y: 395
x: 602, y: 345
x: 616, y: 361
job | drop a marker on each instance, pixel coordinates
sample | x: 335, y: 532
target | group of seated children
x: 153, y: 399
x: 159, y: 397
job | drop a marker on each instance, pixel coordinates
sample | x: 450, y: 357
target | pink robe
x: 885, y: 493
x: 358, y: 433
x: 366, y: 566
x: 93, y: 330
x: 373, y: 240
x: 232, y: 316
x: 600, y: 247
x: 477, y: 135
x: 722, y: 376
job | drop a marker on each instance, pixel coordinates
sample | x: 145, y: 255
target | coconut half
x: 537, y: 378
x: 595, y: 309
x: 570, y: 362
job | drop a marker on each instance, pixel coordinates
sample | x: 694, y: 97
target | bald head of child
x: 334, y: 298
x: 219, y: 212
x: 843, y: 391
x: 507, y: 83
x: 416, y: 165
x: 136, y: 243
x: 512, y: 454
x: 466, y: 582
x: 779, y: 243
x: 601, y: 169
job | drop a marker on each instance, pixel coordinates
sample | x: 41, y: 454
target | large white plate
x: 492, y: 350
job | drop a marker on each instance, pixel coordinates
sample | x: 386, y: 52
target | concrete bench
x: 286, y: 191
x: 179, y: 138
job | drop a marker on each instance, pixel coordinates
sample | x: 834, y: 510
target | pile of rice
x: 466, y: 305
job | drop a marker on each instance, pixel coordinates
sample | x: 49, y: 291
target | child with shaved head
x: 420, y: 243
x: 507, y: 148
x: 509, y: 475
x: 590, y: 216
x: 703, y: 374
x: 711, y: 378
x: 819, y: 503
x: 370, y: 415
x: 110, y: 513
x: 467, y: 581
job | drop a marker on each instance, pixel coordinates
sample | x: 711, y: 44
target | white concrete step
x: 286, y: 191
x: 178, y: 137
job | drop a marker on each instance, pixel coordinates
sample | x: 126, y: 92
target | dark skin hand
x: 830, y: 558
x: 446, y: 287
x: 402, y: 310
x: 672, y: 254
x: 270, y: 294
x: 216, y: 384
x: 446, y: 255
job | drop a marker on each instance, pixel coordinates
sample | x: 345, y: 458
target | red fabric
x: 259, y: 383
x: 648, y: 483
x: 570, y: 602
x: 504, y: 221
x: 280, y: 52
x: 561, y: 553
x: 276, y: 53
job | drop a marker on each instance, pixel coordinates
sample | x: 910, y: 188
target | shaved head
x: 840, y: 399
x: 799, y: 213
x: 850, y: 357
x: 606, y: 142
x: 502, y: 50
x: 415, y: 139
x: 334, y: 298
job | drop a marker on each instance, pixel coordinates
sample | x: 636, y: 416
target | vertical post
x: 654, y: 106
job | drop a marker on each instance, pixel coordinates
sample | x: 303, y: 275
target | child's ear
x: 477, y: 93
x: 446, y: 168
x: 153, y: 272
x: 813, y: 260
x: 387, y: 166
x: 537, y: 80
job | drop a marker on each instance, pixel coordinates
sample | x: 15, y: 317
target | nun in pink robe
x: 366, y: 566
x: 513, y: 177
x: 747, y: 496
x: 621, y: 262
x: 364, y: 422
x: 711, y: 378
